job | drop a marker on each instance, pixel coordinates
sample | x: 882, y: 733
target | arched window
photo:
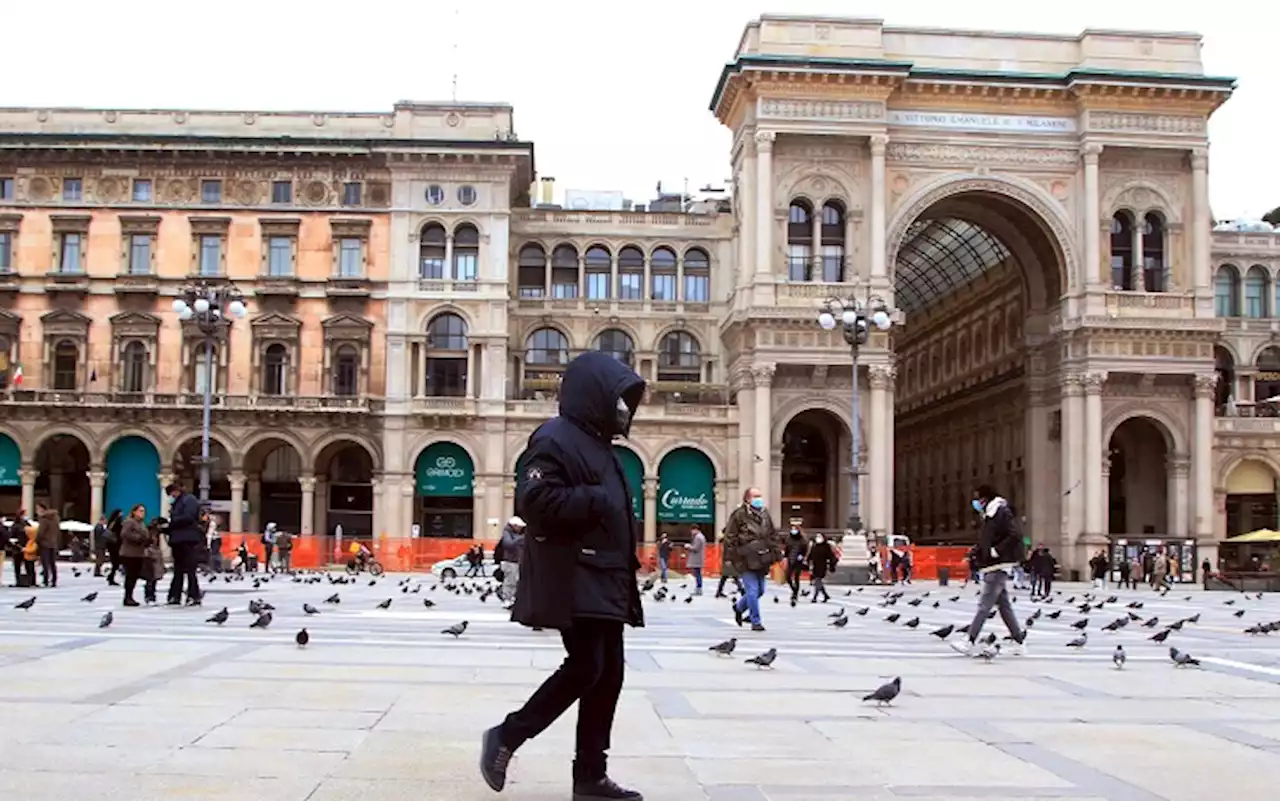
x: 134, y: 368
x: 799, y: 241
x: 662, y: 275
x: 346, y: 371
x: 679, y: 357
x: 1256, y: 286
x: 1122, y: 251
x: 546, y: 348
x: 832, y: 242
x: 697, y: 276
x: 1266, y: 382
x: 630, y: 273
x: 531, y: 272
x: 66, y: 366
x: 1225, y: 367
x: 564, y: 272
x: 446, y: 373
x: 431, y: 251
x: 1226, y: 291
x: 204, y: 369
x: 1153, y: 269
x: 466, y: 252
x: 617, y: 344
x: 275, y: 370
x: 599, y: 265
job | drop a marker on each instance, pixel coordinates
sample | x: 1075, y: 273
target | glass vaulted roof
x: 940, y: 256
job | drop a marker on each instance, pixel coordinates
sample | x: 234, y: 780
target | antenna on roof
x: 454, y: 48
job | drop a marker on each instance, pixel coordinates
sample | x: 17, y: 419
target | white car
x: 458, y: 566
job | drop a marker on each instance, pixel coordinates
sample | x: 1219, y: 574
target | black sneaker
x: 131, y: 602
x: 603, y: 788
x: 757, y: 627
x: 737, y: 614
x: 494, y: 759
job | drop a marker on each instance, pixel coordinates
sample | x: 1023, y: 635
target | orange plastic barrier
x: 926, y: 559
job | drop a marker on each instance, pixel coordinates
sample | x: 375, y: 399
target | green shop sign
x: 444, y: 470
x: 10, y: 461
x: 686, y: 487
x: 634, y: 472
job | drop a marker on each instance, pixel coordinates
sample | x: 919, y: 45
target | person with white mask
x: 753, y: 545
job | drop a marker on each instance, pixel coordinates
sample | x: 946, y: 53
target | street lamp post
x: 208, y: 306
x: 856, y: 319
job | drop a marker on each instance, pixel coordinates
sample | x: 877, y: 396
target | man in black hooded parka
x: 577, y: 573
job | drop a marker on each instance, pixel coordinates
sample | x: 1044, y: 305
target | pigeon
x: 302, y: 638
x: 219, y: 617
x: 1160, y: 636
x: 1115, y: 625
x: 914, y: 602
x: 1081, y: 625
x: 943, y: 632
x: 1118, y: 656
x: 1078, y: 642
x: 838, y: 613
x: 385, y: 604
x: 725, y: 648
x: 912, y: 623
x: 863, y: 611
x: 255, y: 607
x: 1152, y: 623
x: 839, y: 622
x: 1230, y: 602
x: 262, y: 622
x: 764, y: 660
x: 1135, y: 605
x: 457, y: 630
x: 333, y: 599
x: 1177, y: 625
x: 885, y: 693
x: 1181, y: 659
x: 106, y: 620
x: 91, y: 597
x: 373, y: 583
x: 310, y: 610
x: 1194, y: 618
x: 428, y: 603
x: 892, y: 618
x: 1054, y: 615
x: 1238, y: 613
x: 27, y: 604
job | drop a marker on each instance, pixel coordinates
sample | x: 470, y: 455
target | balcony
x: 649, y: 412
x: 1150, y: 304
x: 561, y: 220
x: 77, y: 283
x: 1246, y: 425
x: 137, y: 284
x: 280, y: 286
x: 444, y: 407
x: 192, y: 400
x: 349, y: 288
x: 9, y: 281
x: 447, y: 286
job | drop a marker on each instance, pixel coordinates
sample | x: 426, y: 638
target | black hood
x: 590, y: 389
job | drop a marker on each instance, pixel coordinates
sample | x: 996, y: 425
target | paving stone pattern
x: 382, y: 706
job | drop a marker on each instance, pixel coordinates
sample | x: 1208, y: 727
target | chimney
x: 548, y: 189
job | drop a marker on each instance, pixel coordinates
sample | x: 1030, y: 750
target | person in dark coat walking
x: 578, y: 570
x: 186, y: 539
x: 822, y: 560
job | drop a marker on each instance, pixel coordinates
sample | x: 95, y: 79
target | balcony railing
x: 543, y: 409
x: 1247, y: 425
x: 56, y: 397
x: 445, y: 406
x: 559, y: 218
x: 1122, y: 303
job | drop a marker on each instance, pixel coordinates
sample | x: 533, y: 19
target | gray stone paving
x: 381, y: 706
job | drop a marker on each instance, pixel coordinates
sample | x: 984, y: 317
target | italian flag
x: 17, y: 375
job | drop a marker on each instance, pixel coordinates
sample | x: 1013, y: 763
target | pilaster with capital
x: 308, y: 486
x: 762, y: 437
x: 879, y: 449
x: 28, y: 478
x: 1071, y: 440
x: 97, y: 481
x: 235, y: 520
x: 1204, y: 386
x: 650, y: 509
x: 1092, y: 214
x: 878, y: 144
x: 1201, y: 267
x: 764, y: 203
x: 1094, y: 492
x: 1178, y: 470
x: 745, y: 385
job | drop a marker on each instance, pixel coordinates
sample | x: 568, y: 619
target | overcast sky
x: 614, y: 95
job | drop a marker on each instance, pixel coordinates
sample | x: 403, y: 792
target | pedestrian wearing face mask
x: 752, y: 544
x: 822, y: 559
x: 796, y: 550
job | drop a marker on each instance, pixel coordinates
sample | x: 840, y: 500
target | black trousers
x: 133, y: 567
x: 49, y: 566
x: 591, y: 674
x: 186, y: 557
x: 22, y: 565
x: 113, y: 553
x: 1046, y: 585
x: 723, y: 578
x: 794, y: 569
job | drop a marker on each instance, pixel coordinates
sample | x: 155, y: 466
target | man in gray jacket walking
x: 512, y: 546
x: 697, y: 555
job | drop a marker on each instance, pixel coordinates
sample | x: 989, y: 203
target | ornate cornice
x: 936, y: 153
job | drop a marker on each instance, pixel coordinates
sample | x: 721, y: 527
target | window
x: 1153, y: 272
x: 446, y: 373
x: 211, y: 191
x: 435, y: 194
x: 630, y: 273
x: 6, y: 252
x: 210, y: 254
x: 69, y: 255
x: 139, y: 254
x: 134, y: 378
x: 275, y: 370
x: 832, y: 233
x: 1122, y: 251
x: 280, y: 256
x: 281, y: 192
x: 679, y: 358
x: 350, y: 257
x: 204, y: 370
x: 1256, y: 283
x: 662, y: 276
x: 799, y: 242
x: 346, y: 372
x: 466, y: 252
x: 431, y: 251
x: 66, y: 366
x: 564, y: 272
x: 599, y: 267
x: 351, y: 193
x: 6, y: 189
x: 141, y: 190
x: 617, y: 344
x: 6, y: 361
x: 1226, y: 284
x: 72, y: 189
x: 531, y: 272
x: 546, y: 347
x: 697, y: 276
x: 467, y: 195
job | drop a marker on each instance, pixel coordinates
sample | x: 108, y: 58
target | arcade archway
x: 62, y: 481
x: 816, y: 452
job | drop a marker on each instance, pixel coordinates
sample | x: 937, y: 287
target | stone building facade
x: 1069, y: 323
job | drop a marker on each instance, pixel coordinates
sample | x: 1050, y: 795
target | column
x: 1073, y: 492
x: 253, y: 489
x: 878, y: 145
x: 877, y: 478
x: 378, y: 505
x: 815, y: 258
x: 320, y: 517
x: 1178, y: 467
x: 764, y: 204
x: 28, y: 477
x: 1201, y: 217
x: 1092, y: 261
x: 888, y: 445
x: 235, y: 521
x: 746, y: 430
x: 165, y: 480
x: 746, y: 189
x: 97, y: 480
x: 650, y: 509
x: 762, y: 438
x: 1202, y: 455
x: 407, y: 510
x: 1093, y: 497
x: 448, y: 256
x: 308, y: 485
